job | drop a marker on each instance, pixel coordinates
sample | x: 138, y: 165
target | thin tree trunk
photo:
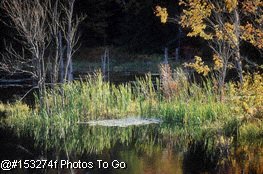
x: 239, y: 67
x: 70, y: 70
x: 39, y: 83
x: 237, y: 46
x: 108, y: 76
x: 177, y: 50
x: 68, y: 56
x: 55, y: 29
x: 177, y: 55
x: 165, y: 55
x: 103, y: 65
x: 104, y: 62
x: 69, y: 37
x: 55, y: 63
x: 61, y: 60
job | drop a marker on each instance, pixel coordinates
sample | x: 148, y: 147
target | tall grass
x: 172, y: 98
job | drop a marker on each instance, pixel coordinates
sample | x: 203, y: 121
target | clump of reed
x: 90, y: 98
x: 173, y: 98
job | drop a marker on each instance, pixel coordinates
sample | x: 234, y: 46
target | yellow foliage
x: 197, y: 16
x: 218, y: 62
x: 199, y: 66
x: 218, y: 33
x: 214, y: 20
x: 250, y: 6
x: 162, y: 12
x: 230, y: 33
x: 231, y: 4
x: 252, y: 35
x: 259, y: 20
x: 248, y: 96
x: 194, y: 17
x: 226, y: 33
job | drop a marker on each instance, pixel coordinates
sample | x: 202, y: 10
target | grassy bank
x: 187, y: 109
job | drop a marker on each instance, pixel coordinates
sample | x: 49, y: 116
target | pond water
x: 151, y: 149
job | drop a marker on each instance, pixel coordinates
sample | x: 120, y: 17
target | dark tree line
x: 130, y: 24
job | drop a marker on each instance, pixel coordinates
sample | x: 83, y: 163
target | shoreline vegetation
x: 188, y: 109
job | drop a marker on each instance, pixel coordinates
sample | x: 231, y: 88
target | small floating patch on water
x: 123, y: 122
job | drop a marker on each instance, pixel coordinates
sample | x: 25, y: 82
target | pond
x: 161, y: 147
x: 153, y: 149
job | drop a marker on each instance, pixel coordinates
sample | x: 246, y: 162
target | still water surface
x: 148, y: 149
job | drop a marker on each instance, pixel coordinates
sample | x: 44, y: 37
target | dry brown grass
x: 169, y: 85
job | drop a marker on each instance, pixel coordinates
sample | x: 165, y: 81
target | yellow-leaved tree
x: 224, y: 24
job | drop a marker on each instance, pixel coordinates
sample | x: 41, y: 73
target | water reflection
x: 150, y: 149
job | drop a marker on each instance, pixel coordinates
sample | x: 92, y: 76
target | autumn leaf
x: 162, y: 13
x: 198, y: 66
x: 231, y: 5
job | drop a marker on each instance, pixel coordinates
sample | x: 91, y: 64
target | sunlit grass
x: 194, y: 108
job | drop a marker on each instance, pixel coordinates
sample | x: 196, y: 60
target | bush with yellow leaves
x: 199, y: 66
x: 248, y: 97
